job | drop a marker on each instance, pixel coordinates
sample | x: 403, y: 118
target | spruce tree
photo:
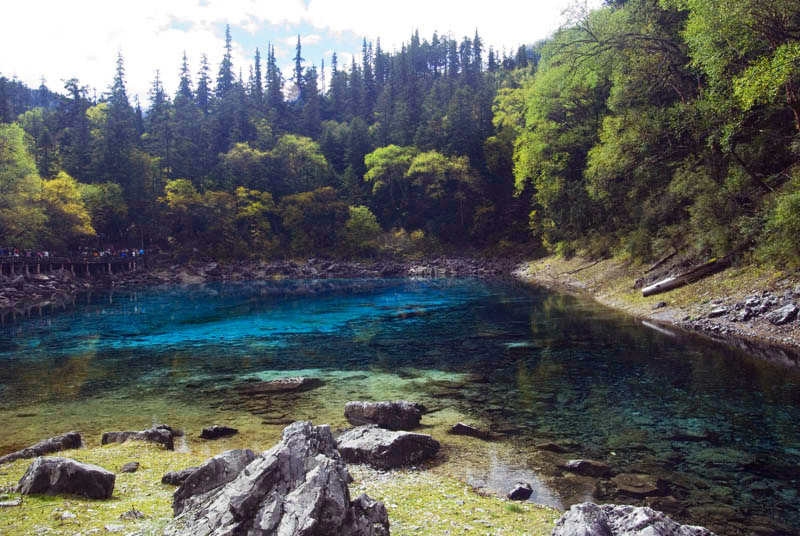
x: 257, y: 93
x: 298, y: 67
x: 204, y: 85
x: 185, y: 84
x: 225, y: 78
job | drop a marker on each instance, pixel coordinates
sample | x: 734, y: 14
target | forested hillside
x: 640, y: 128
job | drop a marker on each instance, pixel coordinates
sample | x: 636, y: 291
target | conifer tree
x: 204, y: 86
x: 185, y: 84
x: 225, y: 78
x: 298, y: 67
x: 257, y: 92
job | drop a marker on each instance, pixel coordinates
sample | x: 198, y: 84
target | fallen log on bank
x: 685, y: 278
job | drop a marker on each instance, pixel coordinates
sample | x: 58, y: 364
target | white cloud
x: 312, y: 39
x: 61, y: 40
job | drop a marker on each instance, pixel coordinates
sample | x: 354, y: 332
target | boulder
x: 161, y: 434
x: 399, y: 415
x: 587, y: 467
x: 589, y: 519
x: 58, y: 475
x: 385, y: 449
x: 130, y: 467
x: 784, y: 315
x: 216, y: 432
x: 176, y: 478
x: 71, y: 440
x: 215, y: 472
x: 299, y: 487
x: 522, y: 492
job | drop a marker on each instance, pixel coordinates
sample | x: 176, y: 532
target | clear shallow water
x: 715, y: 428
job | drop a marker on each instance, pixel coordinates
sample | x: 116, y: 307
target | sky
x: 56, y: 40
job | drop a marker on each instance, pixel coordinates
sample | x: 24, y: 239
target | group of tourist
x: 111, y: 252
x: 16, y: 252
x: 84, y: 252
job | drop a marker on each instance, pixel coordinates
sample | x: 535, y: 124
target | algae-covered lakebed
x: 713, y: 429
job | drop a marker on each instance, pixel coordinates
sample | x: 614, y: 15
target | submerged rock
x: 589, y: 519
x: 71, y: 440
x: 58, y: 475
x: 587, y: 467
x: 552, y: 447
x: 465, y: 429
x: 161, y: 434
x: 398, y: 415
x: 300, y: 383
x: 299, y: 487
x: 215, y: 432
x: 385, y: 449
x: 638, y: 485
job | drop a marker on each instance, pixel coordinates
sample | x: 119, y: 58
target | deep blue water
x: 716, y: 426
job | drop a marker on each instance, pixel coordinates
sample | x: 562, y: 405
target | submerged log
x: 690, y: 276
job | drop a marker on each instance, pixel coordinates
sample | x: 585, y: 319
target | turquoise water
x: 715, y: 428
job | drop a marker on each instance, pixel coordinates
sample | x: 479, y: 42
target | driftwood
x: 690, y: 276
x: 595, y: 263
x: 662, y: 261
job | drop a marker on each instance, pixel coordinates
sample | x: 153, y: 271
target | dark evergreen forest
x: 639, y: 128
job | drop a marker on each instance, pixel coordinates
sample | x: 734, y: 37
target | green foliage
x: 781, y: 239
x: 298, y: 165
x: 361, y: 232
x: 639, y: 127
x: 68, y: 220
x: 21, y: 217
x: 107, y: 208
x: 767, y: 77
x: 310, y: 221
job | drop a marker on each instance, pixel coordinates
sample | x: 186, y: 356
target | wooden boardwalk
x: 77, y: 265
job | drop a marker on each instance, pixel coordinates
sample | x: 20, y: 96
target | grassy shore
x: 419, y: 502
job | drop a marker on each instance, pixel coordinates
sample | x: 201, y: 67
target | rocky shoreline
x: 302, y: 485
x: 21, y: 293
x: 758, y: 314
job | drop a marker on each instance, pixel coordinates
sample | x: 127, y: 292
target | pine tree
x: 370, y: 94
x: 158, y: 128
x: 298, y: 67
x: 185, y: 84
x: 492, y: 61
x: 477, y: 53
x: 522, y: 57
x: 204, y: 86
x: 311, y: 115
x: 258, y: 89
x: 75, y: 138
x: 356, y: 87
x: 274, y: 95
x: 338, y: 90
x: 225, y: 79
x: 380, y: 66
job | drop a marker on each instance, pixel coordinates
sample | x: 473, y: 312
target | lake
x: 712, y: 431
